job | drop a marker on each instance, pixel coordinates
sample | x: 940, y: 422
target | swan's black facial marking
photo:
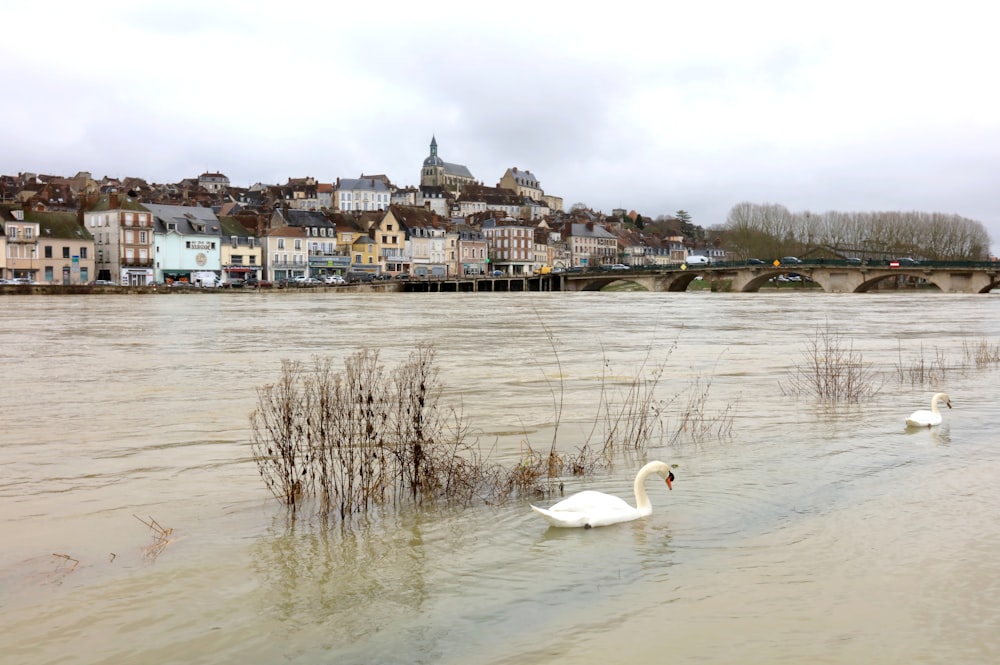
x: 587, y: 526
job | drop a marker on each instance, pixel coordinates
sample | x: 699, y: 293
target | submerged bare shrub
x: 360, y: 436
x: 832, y: 371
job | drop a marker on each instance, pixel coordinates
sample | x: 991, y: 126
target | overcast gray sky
x: 853, y: 106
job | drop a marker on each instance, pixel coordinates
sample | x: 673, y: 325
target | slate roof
x: 363, y: 184
x: 186, y: 218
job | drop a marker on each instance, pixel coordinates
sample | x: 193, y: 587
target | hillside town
x: 204, y: 231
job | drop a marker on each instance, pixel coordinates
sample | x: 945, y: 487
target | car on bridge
x: 616, y: 266
x: 790, y: 260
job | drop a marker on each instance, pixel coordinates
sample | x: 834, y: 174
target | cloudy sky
x: 853, y: 106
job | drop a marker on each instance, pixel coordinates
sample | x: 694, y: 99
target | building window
x: 65, y: 252
x: 48, y: 251
x: 142, y: 238
x: 281, y: 245
x: 83, y: 252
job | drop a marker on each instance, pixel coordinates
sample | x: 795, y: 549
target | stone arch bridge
x: 833, y: 277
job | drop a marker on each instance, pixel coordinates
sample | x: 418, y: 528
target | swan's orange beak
x: 670, y: 480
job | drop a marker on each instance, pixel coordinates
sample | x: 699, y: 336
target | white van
x: 205, y: 279
x: 698, y: 260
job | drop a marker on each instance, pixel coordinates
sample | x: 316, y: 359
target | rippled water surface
x: 812, y: 533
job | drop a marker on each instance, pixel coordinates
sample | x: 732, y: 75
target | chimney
x: 113, y: 200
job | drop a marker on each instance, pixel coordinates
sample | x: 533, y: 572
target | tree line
x: 771, y: 230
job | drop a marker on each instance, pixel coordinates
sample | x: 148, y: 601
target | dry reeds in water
x: 982, y: 353
x: 832, y: 371
x: 161, y: 538
x: 920, y: 370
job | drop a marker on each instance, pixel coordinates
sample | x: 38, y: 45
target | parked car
x: 358, y: 276
x: 102, y: 282
x: 755, y: 262
x: 307, y: 281
x: 234, y: 283
x: 498, y: 273
x: 616, y: 266
x: 906, y: 261
x: 403, y: 275
x: 790, y: 260
x: 335, y: 280
x: 853, y: 261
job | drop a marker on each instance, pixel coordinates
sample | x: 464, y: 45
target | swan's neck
x: 642, y: 503
x: 934, y: 403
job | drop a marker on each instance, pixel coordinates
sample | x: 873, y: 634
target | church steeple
x: 434, y: 146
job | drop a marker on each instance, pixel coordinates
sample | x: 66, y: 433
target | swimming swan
x: 589, y: 509
x: 923, y: 418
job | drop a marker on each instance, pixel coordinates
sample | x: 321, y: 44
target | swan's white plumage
x: 924, y: 418
x: 589, y: 508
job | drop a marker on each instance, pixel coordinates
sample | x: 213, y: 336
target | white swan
x: 924, y: 418
x: 589, y: 509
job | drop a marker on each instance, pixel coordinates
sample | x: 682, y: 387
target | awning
x: 237, y: 269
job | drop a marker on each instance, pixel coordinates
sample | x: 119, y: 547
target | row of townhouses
x: 133, y: 243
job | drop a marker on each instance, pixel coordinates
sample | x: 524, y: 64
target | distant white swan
x: 589, y: 508
x: 923, y: 418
